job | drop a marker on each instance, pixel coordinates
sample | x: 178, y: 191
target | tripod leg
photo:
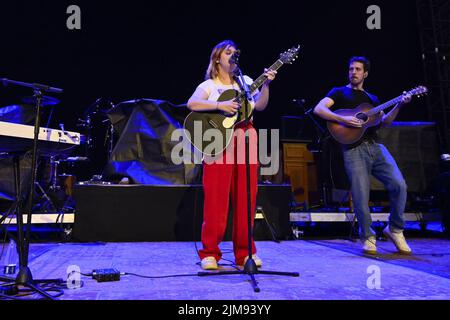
x: 48, y: 201
x: 6, y: 279
x: 8, y: 213
x: 254, y: 283
x: 39, y: 290
x: 270, y: 226
x: 280, y: 273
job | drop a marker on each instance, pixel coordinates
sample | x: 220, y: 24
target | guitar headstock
x: 418, y: 91
x: 290, y: 55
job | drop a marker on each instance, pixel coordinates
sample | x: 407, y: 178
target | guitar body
x: 197, y: 123
x: 349, y: 135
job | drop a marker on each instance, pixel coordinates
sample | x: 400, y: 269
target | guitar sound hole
x: 362, y: 116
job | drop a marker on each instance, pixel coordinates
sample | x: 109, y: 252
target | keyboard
x: 16, y: 137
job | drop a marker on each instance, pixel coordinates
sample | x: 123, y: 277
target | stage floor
x: 329, y: 270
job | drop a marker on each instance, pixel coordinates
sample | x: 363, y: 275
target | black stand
x: 24, y: 277
x: 250, y: 268
x: 46, y: 202
x: 272, y: 230
x: 323, y: 135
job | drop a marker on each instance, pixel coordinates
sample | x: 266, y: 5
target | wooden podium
x: 299, y: 169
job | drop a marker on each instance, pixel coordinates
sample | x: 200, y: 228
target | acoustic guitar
x: 369, y: 115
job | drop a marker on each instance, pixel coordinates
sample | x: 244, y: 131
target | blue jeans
x: 374, y: 159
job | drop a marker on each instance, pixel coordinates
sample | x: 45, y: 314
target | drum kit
x: 55, y: 188
x: 58, y: 173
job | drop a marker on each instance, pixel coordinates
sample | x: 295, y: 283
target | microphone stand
x: 24, y: 277
x: 250, y: 265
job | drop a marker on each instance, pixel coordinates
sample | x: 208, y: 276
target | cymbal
x: 46, y: 100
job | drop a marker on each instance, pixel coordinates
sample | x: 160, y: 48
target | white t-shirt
x: 214, y: 87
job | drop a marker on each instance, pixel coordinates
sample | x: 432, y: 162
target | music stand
x: 250, y: 265
x: 24, y: 277
x: 323, y: 135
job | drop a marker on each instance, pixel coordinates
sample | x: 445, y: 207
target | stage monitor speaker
x: 163, y: 213
x: 414, y: 146
x: 441, y: 190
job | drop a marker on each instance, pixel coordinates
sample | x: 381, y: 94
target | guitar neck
x: 383, y: 106
x: 260, y: 80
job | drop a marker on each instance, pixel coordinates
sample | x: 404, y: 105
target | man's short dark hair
x: 362, y: 60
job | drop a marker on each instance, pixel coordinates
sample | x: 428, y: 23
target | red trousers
x: 219, y: 181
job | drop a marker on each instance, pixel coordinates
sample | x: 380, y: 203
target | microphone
x: 235, y: 57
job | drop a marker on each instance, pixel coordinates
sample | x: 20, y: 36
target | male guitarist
x: 367, y: 156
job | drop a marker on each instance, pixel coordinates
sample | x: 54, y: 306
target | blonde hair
x: 213, y: 68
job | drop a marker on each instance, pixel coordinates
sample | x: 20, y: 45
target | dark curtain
x: 20, y: 113
x: 143, y: 149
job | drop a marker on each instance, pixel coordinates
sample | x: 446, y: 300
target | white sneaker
x: 398, y: 239
x: 370, y: 246
x: 209, y: 263
x: 255, y: 258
